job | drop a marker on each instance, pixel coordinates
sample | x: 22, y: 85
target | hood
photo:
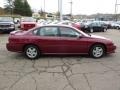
x: 6, y: 23
x: 99, y: 37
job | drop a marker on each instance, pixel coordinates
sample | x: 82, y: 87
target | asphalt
x: 60, y: 72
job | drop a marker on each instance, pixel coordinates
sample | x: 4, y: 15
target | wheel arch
x: 30, y: 44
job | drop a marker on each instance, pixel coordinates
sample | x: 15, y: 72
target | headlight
x: 12, y: 26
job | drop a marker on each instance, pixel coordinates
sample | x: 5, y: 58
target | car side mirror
x: 80, y: 36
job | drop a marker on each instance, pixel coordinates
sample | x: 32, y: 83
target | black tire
x: 32, y: 52
x: 95, y: 53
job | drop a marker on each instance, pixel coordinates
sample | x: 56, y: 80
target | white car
x: 115, y: 25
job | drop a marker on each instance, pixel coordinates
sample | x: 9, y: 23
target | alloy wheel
x: 97, y: 51
x: 31, y: 52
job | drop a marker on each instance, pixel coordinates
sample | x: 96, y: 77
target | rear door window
x: 48, y: 31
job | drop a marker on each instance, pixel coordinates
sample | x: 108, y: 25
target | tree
x: 27, y: 9
x: 22, y: 7
x: 41, y: 12
x: 18, y: 7
x: 9, y: 6
x: 1, y: 11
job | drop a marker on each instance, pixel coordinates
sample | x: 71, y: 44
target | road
x: 60, y: 72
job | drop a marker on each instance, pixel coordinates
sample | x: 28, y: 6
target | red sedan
x: 58, y: 39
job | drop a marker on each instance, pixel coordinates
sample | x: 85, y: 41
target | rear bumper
x: 13, y: 47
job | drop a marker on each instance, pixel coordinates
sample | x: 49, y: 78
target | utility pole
x: 60, y: 9
x: 44, y: 10
x: 116, y: 6
x: 71, y: 4
x: 11, y: 6
x: 44, y: 5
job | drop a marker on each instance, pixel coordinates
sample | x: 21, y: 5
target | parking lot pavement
x: 60, y: 72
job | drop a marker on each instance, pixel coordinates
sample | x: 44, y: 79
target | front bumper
x: 111, y: 49
x: 7, y: 30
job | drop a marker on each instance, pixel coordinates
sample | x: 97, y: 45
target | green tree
x: 27, y: 9
x: 18, y: 7
x: 41, y: 13
x: 22, y: 7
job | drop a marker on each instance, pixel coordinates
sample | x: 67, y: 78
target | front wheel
x: 97, y: 51
x: 31, y: 51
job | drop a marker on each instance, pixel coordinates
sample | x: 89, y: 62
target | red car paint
x: 57, y: 44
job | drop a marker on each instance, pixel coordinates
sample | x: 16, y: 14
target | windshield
x: 6, y: 19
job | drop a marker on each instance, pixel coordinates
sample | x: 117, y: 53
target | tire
x: 31, y: 52
x: 104, y: 30
x: 97, y: 51
x: 91, y: 30
x: 117, y: 28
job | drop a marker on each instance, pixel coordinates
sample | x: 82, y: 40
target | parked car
x: 108, y: 24
x: 70, y: 23
x: 95, y: 27
x: 58, y: 39
x: 76, y: 25
x: 27, y: 23
x: 115, y: 25
x: 6, y: 24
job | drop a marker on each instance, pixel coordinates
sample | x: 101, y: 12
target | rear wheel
x: 97, y: 51
x: 32, y: 52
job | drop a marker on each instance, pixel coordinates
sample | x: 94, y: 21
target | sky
x: 87, y: 7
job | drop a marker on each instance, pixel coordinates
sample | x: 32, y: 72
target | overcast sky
x: 79, y: 6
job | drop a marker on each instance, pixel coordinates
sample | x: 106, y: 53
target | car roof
x: 55, y: 25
